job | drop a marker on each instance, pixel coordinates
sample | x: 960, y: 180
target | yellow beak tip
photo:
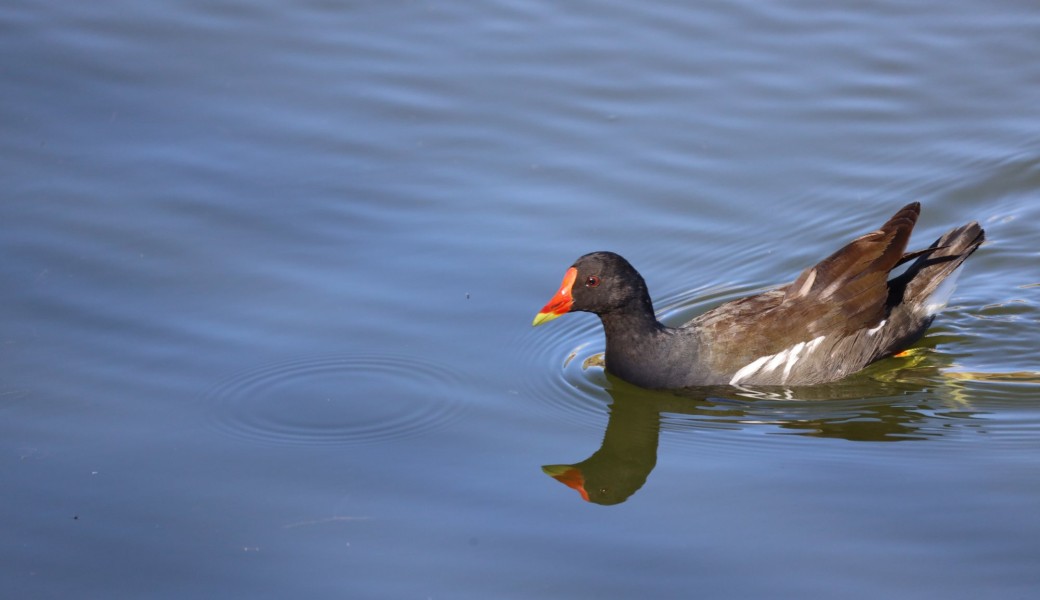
x: 543, y: 317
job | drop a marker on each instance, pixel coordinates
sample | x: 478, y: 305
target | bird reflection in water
x: 888, y: 403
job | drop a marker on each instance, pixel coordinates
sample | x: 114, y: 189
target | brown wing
x: 845, y: 292
x: 850, y: 287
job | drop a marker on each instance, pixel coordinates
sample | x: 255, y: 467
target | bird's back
x: 837, y: 316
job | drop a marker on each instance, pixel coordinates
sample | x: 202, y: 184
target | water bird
x: 837, y: 317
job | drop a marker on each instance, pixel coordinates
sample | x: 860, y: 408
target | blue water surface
x: 267, y: 274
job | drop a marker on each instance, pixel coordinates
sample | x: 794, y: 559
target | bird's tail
x: 922, y: 285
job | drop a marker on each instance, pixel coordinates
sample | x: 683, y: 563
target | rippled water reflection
x: 919, y: 396
x: 859, y: 410
x: 267, y: 273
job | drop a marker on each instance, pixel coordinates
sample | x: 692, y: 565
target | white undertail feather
x: 878, y: 328
x: 941, y: 296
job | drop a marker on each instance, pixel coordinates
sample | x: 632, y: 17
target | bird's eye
x: 592, y: 281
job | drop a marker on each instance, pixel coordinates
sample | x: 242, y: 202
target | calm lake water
x: 268, y: 269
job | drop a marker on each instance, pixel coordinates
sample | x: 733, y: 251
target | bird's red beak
x: 561, y: 302
x: 569, y: 476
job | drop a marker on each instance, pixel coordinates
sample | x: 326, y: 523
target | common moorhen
x: 836, y: 318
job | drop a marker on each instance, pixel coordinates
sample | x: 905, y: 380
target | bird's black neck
x: 633, y: 340
x: 636, y: 319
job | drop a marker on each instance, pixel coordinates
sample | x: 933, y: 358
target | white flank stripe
x: 878, y: 328
x: 791, y: 360
x: 748, y: 369
x: 776, y: 361
x: 769, y: 362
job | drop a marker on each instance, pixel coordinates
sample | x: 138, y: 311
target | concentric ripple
x: 336, y: 400
x: 565, y: 371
